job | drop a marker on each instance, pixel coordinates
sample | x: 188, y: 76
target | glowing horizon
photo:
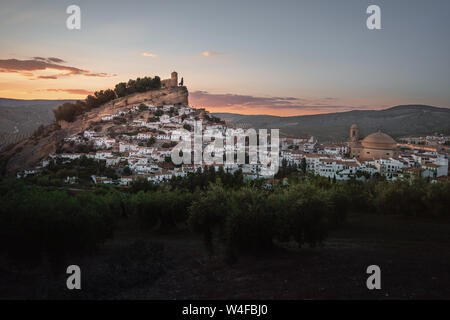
x: 314, y: 57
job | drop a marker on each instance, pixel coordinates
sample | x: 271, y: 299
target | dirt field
x: 414, y: 257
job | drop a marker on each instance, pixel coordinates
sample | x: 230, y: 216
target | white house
x: 164, y: 118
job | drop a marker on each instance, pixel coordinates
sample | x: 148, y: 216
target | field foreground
x: 413, y: 255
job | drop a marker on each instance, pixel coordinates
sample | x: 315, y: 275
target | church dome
x: 379, y: 140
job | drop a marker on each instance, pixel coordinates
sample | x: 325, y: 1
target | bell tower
x: 174, y: 79
x: 354, y: 133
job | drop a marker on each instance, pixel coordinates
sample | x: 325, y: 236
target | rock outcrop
x: 27, y: 153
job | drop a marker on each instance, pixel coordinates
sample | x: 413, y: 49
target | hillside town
x: 136, y: 142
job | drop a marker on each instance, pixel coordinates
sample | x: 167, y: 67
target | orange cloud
x: 72, y: 91
x: 281, y: 106
x: 28, y: 68
x: 212, y: 53
x: 149, y: 54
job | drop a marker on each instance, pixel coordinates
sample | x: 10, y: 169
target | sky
x: 284, y: 57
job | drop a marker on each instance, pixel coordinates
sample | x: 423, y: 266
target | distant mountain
x: 396, y: 121
x: 4, y: 102
x: 20, y: 118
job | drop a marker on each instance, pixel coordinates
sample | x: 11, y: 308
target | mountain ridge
x: 401, y: 120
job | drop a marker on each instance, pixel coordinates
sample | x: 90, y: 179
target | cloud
x: 56, y: 60
x: 248, y: 104
x: 211, y: 53
x: 28, y: 68
x: 149, y: 54
x: 228, y: 99
x: 71, y: 91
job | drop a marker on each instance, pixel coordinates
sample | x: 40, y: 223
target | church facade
x: 377, y: 145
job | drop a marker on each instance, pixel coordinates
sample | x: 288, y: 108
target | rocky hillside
x: 30, y: 151
x: 20, y: 118
x: 397, y: 121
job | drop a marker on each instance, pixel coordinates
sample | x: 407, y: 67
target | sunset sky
x: 249, y: 56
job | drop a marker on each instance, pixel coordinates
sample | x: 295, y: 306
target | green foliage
x: 35, y: 222
x: 207, y: 215
x: 151, y: 141
x: 69, y: 111
x: 202, y: 179
x: 127, y: 171
x: 42, y: 220
x: 142, y: 185
x: 142, y: 107
x: 249, y: 218
x: 83, y: 168
x: 121, y: 89
x: 402, y: 197
x: 437, y: 200
x: 170, y: 144
x: 249, y: 223
x: 303, y: 213
x: 160, y: 210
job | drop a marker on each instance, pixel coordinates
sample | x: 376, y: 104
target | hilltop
x: 50, y: 138
x: 397, y: 121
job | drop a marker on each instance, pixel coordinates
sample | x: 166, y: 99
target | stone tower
x: 354, y: 133
x: 174, y: 79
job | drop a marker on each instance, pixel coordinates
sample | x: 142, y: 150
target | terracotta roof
x: 432, y: 165
x: 413, y: 169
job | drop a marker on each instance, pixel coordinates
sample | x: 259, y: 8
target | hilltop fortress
x: 30, y: 151
x: 169, y: 94
x: 172, y: 82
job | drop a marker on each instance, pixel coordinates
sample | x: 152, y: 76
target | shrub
x: 401, y: 197
x: 69, y: 111
x: 35, y: 222
x: 208, y: 213
x: 249, y: 224
x: 437, y: 199
x: 161, y: 210
x: 249, y: 218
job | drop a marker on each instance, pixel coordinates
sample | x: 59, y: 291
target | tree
x: 142, y: 107
x: 151, y: 141
x: 127, y: 171
x: 67, y: 111
x: 207, y: 214
x: 303, y: 165
x: 40, y: 130
x: 121, y: 89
